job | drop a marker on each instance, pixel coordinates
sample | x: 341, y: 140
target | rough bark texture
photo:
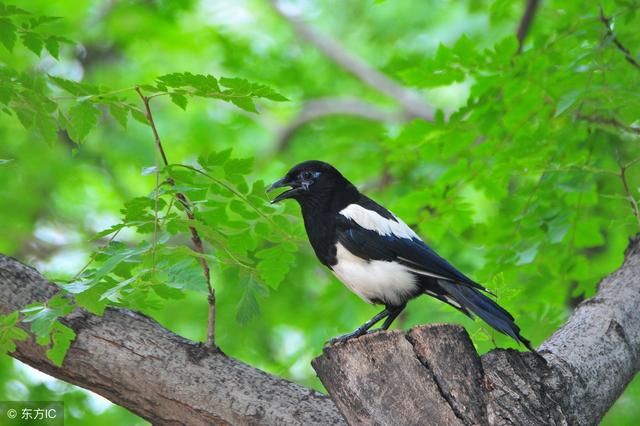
x: 133, y: 361
x: 428, y: 376
x: 433, y: 375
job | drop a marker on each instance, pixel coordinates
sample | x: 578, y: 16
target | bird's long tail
x: 481, y: 305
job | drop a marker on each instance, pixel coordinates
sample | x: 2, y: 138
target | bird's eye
x: 306, y: 175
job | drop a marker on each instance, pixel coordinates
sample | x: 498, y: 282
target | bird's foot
x: 340, y: 339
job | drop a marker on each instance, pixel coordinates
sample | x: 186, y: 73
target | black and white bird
x: 376, y: 255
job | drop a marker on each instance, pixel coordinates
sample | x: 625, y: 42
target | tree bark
x: 433, y: 375
x: 430, y: 375
x: 133, y: 361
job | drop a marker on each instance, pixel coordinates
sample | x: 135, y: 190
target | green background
x: 517, y: 181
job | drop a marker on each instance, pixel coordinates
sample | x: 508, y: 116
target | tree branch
x: 628, y: 193
x: 525, y: 22
x: 133, y: 361
x: 386, y: 377
x: 325, y: 107
x: 608, y: 121
x: 410, y: 101
x: 391, y: 377
x: 621, y: 47
x: 195, y: 237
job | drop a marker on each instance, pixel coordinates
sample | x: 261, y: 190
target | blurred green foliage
x: 526, y: 179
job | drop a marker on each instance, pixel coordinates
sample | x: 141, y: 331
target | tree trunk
x: 433, y: 375
x: 430, y: 375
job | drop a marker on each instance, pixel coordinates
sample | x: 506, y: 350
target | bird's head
x: 309, y: 180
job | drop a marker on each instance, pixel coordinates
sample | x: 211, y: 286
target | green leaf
x: 89, y: 297
x: 505, y: 49
x: 240, y: 86
x: 9, y: 9
x: 243, y: 210
x: 248, y: 307
x: 118, y: 255
x: 33, y: 42
x: 82, y: 117
x: 7, y: 33
x: 238, y: 166
x: 566, y: 101
x: 217, y: 158
x: 41, y: 20
x: 10, y: 332
x: 204, y: 84
x: 179, y: 100
x: 274, y: 265
x: 43, y: 315
x: 73, y: 87
x: 528, y: 255
x: 61, y: 338
x: 245, y: 104
x: 119, y: 113
x: 187, y: 274
x: 47, y: 128
x: 139, y: 116
x: 114, y: 293
x: 588, y: 234
x: 52, y: 46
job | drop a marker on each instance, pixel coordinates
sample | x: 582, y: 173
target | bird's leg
x: 393, y: 314
x: 362, y: 329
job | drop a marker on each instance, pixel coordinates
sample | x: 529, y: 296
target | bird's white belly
x: 375, y: 280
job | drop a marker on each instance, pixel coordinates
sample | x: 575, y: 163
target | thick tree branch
x: 431, y: 375
x: 133, y: 361
x: 383, y: 377
x: 411, y: 102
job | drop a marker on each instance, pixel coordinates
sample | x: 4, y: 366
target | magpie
x: 376, y: 255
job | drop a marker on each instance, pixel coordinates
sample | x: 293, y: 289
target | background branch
x: 608, y: 121
x: 525, y: 22
x: 621, y: 47
x: 325, y: 107
x: 410, y: 101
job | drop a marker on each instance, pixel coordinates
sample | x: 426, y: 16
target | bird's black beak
x: 295, y: 189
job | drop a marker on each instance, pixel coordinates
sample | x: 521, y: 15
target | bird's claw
x: 345, y: 337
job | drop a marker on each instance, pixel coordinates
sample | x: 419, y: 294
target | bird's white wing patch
x: 372, y: 221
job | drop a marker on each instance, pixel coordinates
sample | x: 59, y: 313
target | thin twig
x: 156, y: 196
x: 195, y: 237
x: 621, y: 47
x: 629, y: 194
x: 608, y: 121
x: 93, y: 256
x: 236, y: 193
x: 525, y: 23
x: 409, y: 99
x: 152, y: 123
